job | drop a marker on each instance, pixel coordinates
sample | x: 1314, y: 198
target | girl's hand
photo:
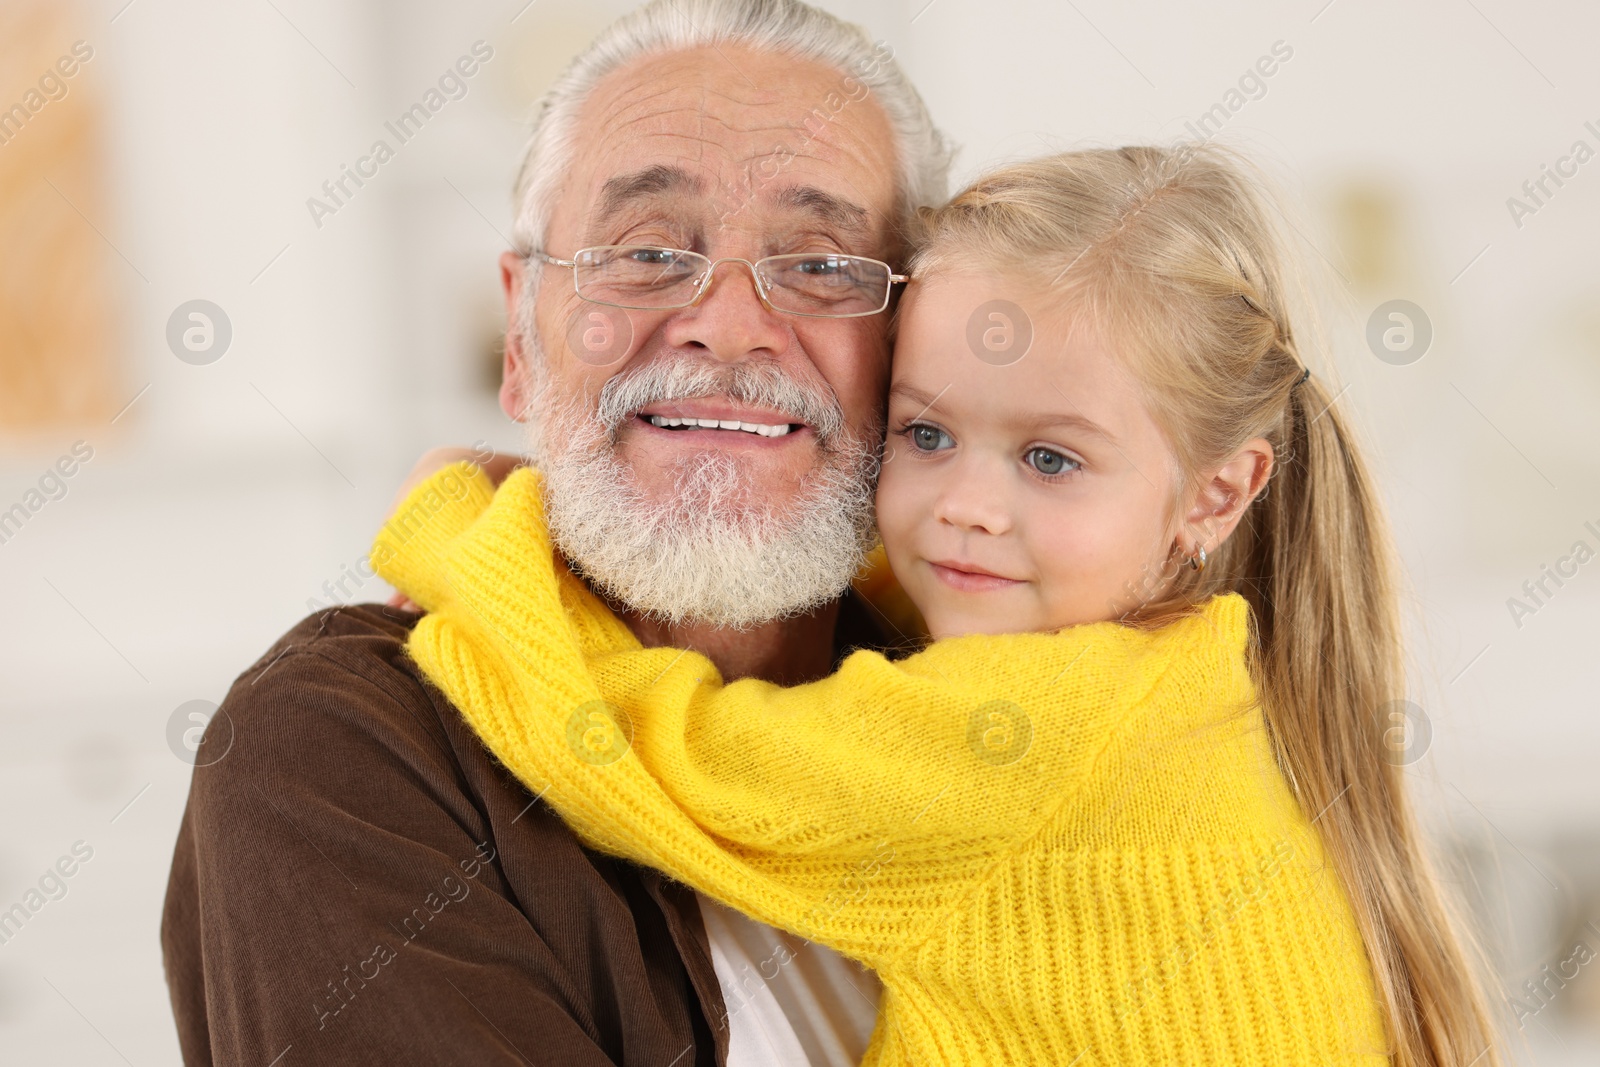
x: 497, y: 465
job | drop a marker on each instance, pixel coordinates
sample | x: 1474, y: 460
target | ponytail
x: 1328, y: 664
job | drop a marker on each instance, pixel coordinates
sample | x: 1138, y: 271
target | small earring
x: 1198, y: 560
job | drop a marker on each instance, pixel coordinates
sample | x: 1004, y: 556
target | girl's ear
x: 1220, y: 501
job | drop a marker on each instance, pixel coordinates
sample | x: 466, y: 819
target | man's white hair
x: 786, y: 27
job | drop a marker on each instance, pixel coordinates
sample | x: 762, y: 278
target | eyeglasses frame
x: 705, y: 280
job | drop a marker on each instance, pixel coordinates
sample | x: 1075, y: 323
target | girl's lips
x: 969, y: 577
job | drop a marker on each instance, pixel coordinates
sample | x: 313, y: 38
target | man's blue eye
x: 1049, y: 461
x: 929, y: 438
x: 822, y: 266
x: 653, y: 256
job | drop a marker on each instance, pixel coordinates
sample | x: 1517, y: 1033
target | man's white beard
x: 715, y: 553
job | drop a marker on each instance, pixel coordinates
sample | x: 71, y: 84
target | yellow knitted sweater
x: 1062, y: 848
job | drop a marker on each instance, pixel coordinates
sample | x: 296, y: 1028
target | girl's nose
x: 972, y: 500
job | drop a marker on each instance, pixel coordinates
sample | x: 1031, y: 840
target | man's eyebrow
x: 650, y: 181
x: 824, y: 205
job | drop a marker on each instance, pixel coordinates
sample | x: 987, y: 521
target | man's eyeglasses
x: 643, y: 277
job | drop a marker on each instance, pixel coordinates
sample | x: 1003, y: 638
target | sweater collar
x: 456, y: 541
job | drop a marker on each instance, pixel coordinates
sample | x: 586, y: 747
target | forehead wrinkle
x: 776, y: 106
x: 745, y: 113
x: 712, y: 156
x: 627, y: 111
x: 704, y: 138
x: 711, y: 129
x: 717, y: 128
x: 623, y: 125
x: 633, y: 101
x: 636, y: 86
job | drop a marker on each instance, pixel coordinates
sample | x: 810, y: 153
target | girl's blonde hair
x: 1173, y: 256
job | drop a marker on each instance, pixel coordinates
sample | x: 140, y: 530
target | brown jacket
x: 357, y: 881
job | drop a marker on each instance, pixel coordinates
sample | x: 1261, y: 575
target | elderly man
x: 707, y: 219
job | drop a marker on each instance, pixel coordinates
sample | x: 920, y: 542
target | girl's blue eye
x: 929, y: 438
x: 1049, y: 461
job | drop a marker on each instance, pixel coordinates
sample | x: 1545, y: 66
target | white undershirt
x: 790, y: 1003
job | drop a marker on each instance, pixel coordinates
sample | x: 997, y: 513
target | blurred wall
x: 225, y: 486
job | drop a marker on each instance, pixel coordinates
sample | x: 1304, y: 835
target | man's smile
x: 723, y: 421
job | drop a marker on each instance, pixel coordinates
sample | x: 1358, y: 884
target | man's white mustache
x: 758, y: 384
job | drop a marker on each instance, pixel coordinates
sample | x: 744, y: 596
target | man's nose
x: 730, y: 321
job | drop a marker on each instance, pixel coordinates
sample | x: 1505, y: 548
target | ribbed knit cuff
x: 409, y: 551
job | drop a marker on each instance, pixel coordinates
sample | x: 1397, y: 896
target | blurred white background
x: 225, y: 495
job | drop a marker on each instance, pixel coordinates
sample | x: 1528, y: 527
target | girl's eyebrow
x: 916, y: 396
x: 913, y: 394
x: 1052, y: 419
x: 1041, y: 421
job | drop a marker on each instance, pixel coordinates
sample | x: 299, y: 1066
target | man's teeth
x: 764, y: 429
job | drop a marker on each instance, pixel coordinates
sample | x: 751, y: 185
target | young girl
x: 1133, y: 805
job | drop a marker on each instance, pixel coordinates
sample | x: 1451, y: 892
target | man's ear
x: 1220, y: 501
x: 514, y: 370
